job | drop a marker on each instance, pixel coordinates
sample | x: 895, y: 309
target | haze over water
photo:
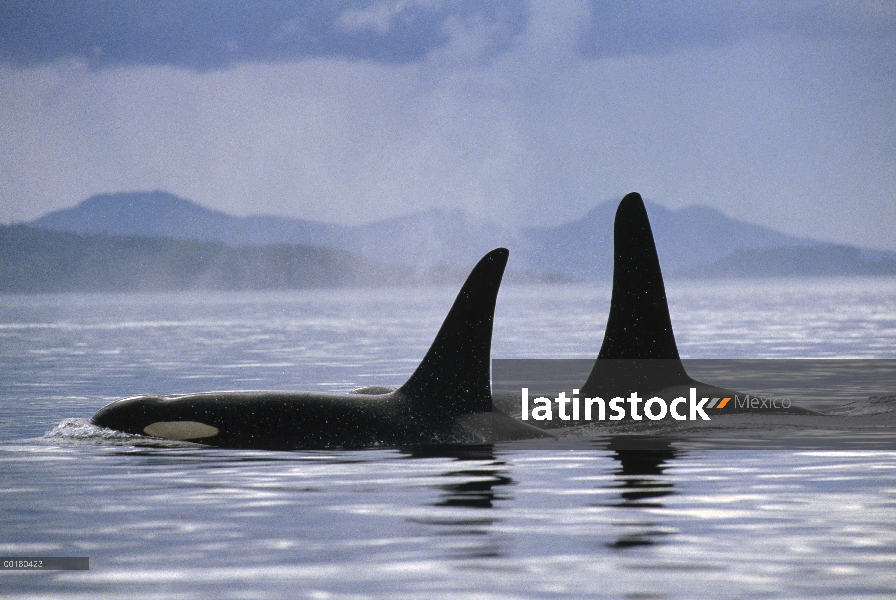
x: 179, y: 520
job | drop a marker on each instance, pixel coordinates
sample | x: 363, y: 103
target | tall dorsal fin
x: 455, y: 373
x: 639, y: 326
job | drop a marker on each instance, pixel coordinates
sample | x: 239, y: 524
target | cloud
x: 383, y: 17
x: 215, y: 35
x: 622, y: 28
x: 503, y: 116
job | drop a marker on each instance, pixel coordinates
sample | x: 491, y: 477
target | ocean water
x: 179, y: 520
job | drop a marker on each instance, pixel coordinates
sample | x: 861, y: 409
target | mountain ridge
x: 693, y: 241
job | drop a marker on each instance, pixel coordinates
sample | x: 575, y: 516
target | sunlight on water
x: 782, y: 319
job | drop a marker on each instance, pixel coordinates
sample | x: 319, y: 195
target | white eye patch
x: 180, y: 430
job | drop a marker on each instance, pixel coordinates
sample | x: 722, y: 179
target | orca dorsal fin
x: 639, y: 326
x: 455, y: 374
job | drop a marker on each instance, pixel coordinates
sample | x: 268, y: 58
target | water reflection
x: 457, y: 451
x: 476, y: 490
x: 465, y: 507
x: 641, y: 484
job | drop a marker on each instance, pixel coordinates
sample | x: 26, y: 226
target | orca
x: 639, y: 353
x: 447, y: 400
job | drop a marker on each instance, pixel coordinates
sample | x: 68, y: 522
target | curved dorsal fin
x: 639, y: 326
x: 455, y: 373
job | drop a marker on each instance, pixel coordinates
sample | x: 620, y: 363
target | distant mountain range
x: 694, y: 241
x: 423, y: 241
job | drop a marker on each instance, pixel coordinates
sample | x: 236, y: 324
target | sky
x: 523, y: 113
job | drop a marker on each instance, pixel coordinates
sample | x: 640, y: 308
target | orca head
x: 149, y: 415
x: 129, y: 415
